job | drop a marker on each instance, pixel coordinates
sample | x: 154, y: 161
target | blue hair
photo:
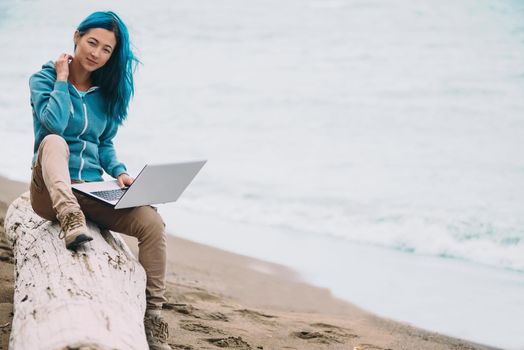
x: 115, y: 78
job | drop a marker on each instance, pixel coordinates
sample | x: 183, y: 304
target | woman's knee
x: 53, y: 140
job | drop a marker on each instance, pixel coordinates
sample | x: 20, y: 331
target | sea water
x: 374, y: 146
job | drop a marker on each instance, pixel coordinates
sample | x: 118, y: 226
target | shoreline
x: 446, y: 296
x: 250, y: 303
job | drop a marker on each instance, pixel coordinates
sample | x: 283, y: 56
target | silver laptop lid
x: 160, y: 183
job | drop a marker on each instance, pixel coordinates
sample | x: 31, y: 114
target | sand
x: 218, y: 299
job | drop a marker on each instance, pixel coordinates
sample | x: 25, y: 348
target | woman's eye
x: 91, y: 43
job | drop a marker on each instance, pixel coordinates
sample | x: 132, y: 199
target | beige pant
x: 51, y: 194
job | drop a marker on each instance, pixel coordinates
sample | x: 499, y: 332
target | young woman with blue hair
x: 79, y: 101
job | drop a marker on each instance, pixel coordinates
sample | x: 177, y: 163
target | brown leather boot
x: 74, y: 229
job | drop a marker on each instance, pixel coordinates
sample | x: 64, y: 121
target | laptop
x: 155, y: 184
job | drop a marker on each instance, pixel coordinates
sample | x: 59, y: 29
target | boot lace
x: 70, y: 222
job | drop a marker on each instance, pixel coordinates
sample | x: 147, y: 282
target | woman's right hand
x: 62, y: 66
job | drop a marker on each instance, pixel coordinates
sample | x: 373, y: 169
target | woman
x: 78, y: 103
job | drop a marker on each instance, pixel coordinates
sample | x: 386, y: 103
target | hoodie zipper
x: 84, y: 142
x: 86, y: 123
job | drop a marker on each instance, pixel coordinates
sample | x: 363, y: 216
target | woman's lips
x: 91, y: 61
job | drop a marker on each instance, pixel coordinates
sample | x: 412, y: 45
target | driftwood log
x: 90, y: 299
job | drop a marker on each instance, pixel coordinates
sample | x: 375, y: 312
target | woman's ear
x: 76, y: 37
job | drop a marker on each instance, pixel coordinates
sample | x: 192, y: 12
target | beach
x: 371, y: 147
x: 218, y: 299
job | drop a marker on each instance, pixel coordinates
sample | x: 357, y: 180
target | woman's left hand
x: 124, y: 180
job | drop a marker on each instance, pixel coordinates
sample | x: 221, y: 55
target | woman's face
x: 94, y: 48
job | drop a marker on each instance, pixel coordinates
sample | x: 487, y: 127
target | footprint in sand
x: 230, y: 342
x: 325, y: 334
x: 189, y: 310
x: 334, y: 331
x: 255, y: 315
x: 214, y: 316
x: 317, y: 337
x: 185, y: 309
x: 198, y: 327
x: 325, y: 325
x: 258, y: 317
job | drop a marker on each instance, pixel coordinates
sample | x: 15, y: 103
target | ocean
x: 374, y: 146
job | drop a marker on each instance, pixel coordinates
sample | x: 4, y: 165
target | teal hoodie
x: 59, y: 108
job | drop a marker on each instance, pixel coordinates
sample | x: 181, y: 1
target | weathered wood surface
x: 90, y: 299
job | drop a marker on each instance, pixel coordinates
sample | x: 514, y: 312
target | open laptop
x: 154, y: 184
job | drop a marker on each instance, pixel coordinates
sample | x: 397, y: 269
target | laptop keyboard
x: 110, y: 195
